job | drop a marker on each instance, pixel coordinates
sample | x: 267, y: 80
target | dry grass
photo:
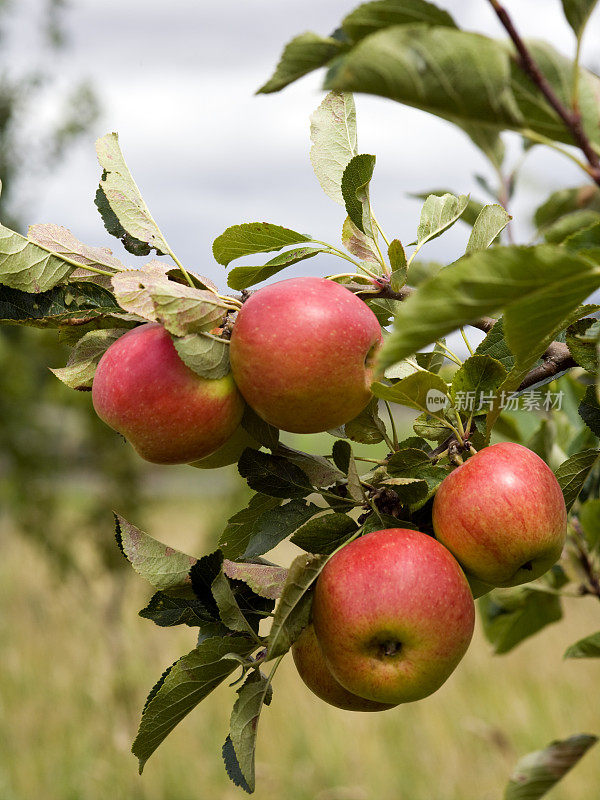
x: 77, y: 663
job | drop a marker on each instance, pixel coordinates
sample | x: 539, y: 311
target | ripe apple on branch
x: 378, y: 607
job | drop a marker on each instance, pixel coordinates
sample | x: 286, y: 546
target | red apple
x: 170, y: 414
x: 312, y: 668
x: 393, y: 614
x: 502, y: 514
x: 301, y: 354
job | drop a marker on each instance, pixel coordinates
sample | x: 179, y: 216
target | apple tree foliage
x: 532, y: 301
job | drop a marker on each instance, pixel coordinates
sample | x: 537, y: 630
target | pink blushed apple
x: 170, y: 414
x: 394, y: 615
x: 502, y: 514
x: 302, y: 352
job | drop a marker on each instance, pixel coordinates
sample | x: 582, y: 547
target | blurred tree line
x: 60, y: 469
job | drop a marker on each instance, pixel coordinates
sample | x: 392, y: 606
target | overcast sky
x: 177, y: 81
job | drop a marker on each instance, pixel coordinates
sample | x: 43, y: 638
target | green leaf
x: 325, y: 533
x: 61, y: 241
x: 367, y: 427
x: 266, y: 434
x: 494, y: 345
x: 240, y: 527
x: 378, y: 522
x: 566, y: 200
x: 424, y: 391
x: 583, y: 348
x: 545, y: 281
x: 229, y: 611
x: 293, y: 609
x: 405, y: 461
x: 537, y: 773
x: 180, y: 606
x: 360, y: 245
x: 509, y: 616
x: 182, y: 309
x: 476, y: 383
x: 28, y: 266
x: 577, y: 13
x: 585, y: 648
x: 266, y: 580
x: 408, y: 490
x: 302, y: 55
x: 342, y: 453
x: 205, y: 354
x: 355, y: 191
x: 568, y: 226
x: 277, y: 524
x: 589, y: 519
x: 253, y: 237
x: 469, y: 216
x: 85, y: 356
x: 589, y: 410
x: 334, y: 141
x: 465, y: 77
x: 162, y: 566
x: 371, y: 17
x: 187, y: 683
x: 243, y: 277
x: 123, y: 209
x: 586, y: 237
x: 438, y: 214
x: 75, y: 305
x: 430, y: 427
x: 252, y: 695
x: 398, y: 263
x: 273, y: 475
x: 321, y: 473
x: 232, y: 766
x: 573, y: 473
x: 488, y: 226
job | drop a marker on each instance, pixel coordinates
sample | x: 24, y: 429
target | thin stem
x: 183, y: 270
x: 466, y: 341
x: 369, y: 460
x: 393, y: 426
x: 449, y: 354
x: 575, y: 91
x: 380, y: 229
x: 541, y: 139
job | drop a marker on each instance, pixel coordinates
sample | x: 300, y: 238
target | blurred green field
x: 77, y: 663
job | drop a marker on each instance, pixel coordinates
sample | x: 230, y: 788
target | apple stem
x: 393, y: 426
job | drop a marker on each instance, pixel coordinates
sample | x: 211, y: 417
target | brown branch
x: 571, y: 117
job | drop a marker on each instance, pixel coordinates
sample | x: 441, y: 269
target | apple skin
x: 313, y: 669
x: 393, y: 614
x: 301, y: 354
x: 502, y: 514
x: 170, y: 414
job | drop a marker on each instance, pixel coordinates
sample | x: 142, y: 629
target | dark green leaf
x: 273, y: 475
x: 398, y: 263
x: 277, y: 524
x: 511, y: 615
x: 373, y: 16
x: 583, y: 347
x: 266, y: 434
x: 475, y: 383
x: 589, y: 518
x: 229, y: 611
x: 252, y: 695
x: 424, y: 391
x: 240, y: 527
x: 320, y: 471
x: 342, y: 453
x: 179, y: 606
x: 232, y: 766
x: 355, y: 191
x: 566, y: 200
x: 367, y: 427
x: 585, y: 648
x: 589, y: 410
x: 187, y: 683
x: 325, y: 533
x: 573, y: 473
x: 253, y: 237
x: 243, y: 277
x: 494, y: 345
x: 537, y: 773
x: 302, y: 55
x: 569, y: 225
x: 293, y: 609
x: 577, y: 13
x: 202, y: 575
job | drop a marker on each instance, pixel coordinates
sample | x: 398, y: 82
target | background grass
x: 77, y: 662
